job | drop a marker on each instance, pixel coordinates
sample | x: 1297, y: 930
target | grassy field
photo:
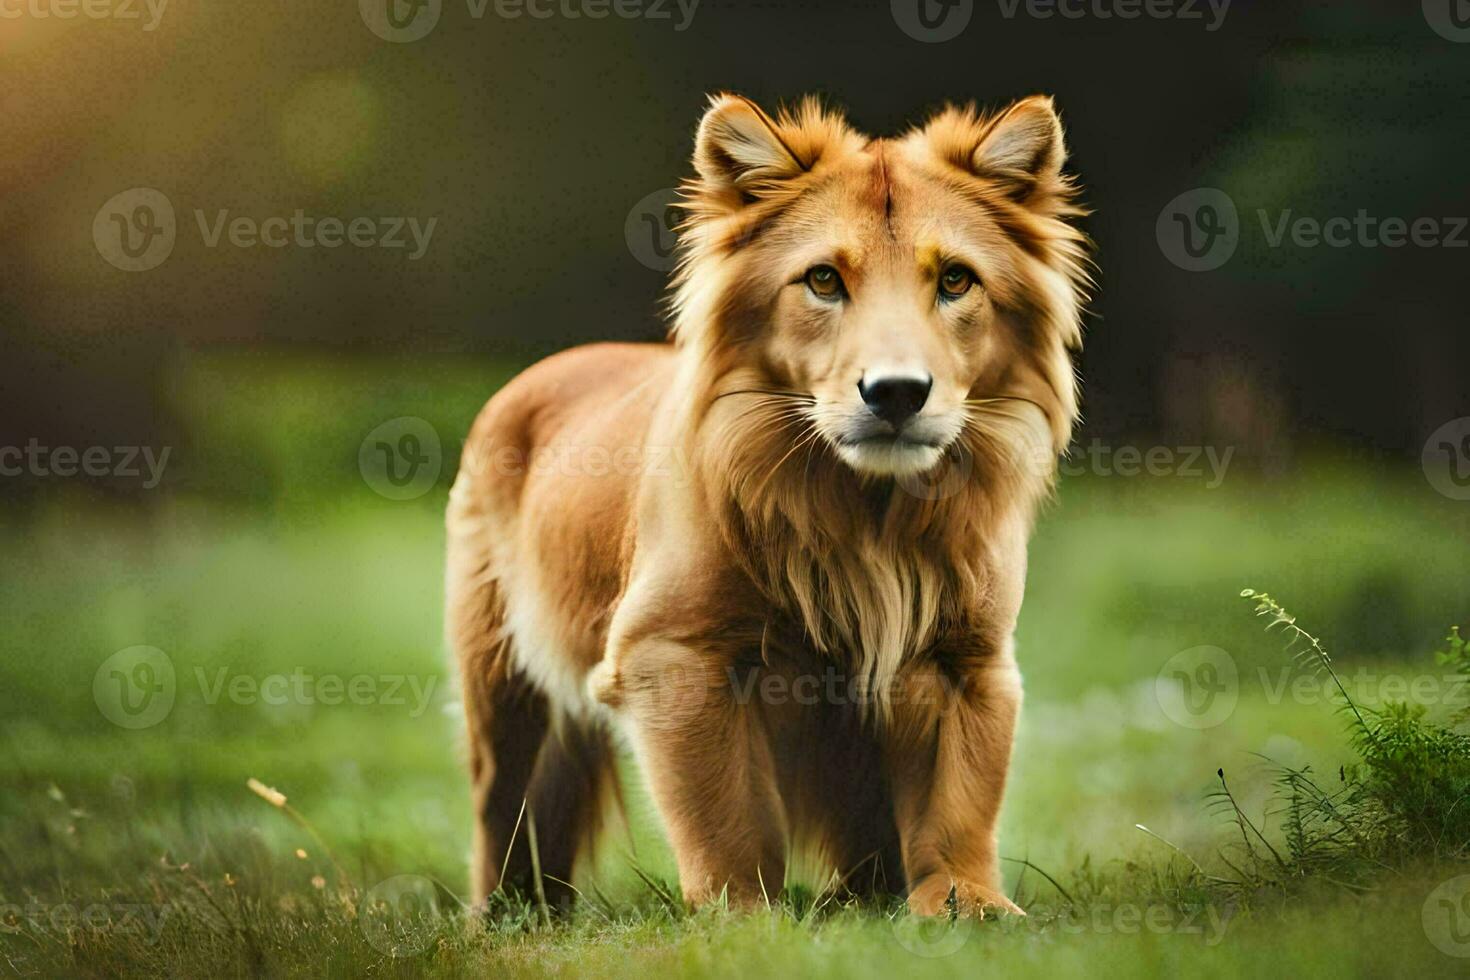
x: 298, y: 610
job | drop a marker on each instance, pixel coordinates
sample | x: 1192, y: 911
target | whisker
x: 775, y: 392
x: 809, y: 437
x: 789, y: 416
x: 811, y: 447
x: 999, y: 417
x: 998, y: 399
x: 978, y: 419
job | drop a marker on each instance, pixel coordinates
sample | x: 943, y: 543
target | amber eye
x: 955, y: 281
x: 824, y: 281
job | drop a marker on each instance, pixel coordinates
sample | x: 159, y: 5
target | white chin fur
x: 890, y: 458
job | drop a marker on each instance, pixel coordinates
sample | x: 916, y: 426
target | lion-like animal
x: 783, y: 554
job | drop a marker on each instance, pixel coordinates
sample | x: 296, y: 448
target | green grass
x: 271, y: 556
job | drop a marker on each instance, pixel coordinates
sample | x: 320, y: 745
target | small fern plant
x: 1408, y: 795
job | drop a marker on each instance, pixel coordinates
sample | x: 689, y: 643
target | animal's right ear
x: 742, y: 155
x: 740, y: 151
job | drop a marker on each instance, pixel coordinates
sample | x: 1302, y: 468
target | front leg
x: 708, y: 764
x: 950, y: 749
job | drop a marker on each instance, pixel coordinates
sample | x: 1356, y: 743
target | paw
x: 932, y: 896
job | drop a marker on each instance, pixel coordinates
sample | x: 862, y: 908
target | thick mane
x: 873, y: 569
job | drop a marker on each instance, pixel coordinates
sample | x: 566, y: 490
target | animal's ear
x: 742, y: 154
x: 740, y: 147
x: 1025, y: 142
x: 1020, y: 148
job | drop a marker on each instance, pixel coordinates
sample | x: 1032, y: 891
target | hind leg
x: 527, y: 770
x: 506, y: 718
x: 507, y: 726
x: 569, y: 794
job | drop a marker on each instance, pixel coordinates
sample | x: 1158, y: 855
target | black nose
x: 895, y: 400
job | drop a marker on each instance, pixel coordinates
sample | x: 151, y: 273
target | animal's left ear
x: 1020, y: 148
x: 1024, y: 142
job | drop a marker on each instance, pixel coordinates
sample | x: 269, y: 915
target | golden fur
x: 803, y: 629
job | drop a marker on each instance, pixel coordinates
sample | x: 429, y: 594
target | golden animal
x: 782, y: 555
